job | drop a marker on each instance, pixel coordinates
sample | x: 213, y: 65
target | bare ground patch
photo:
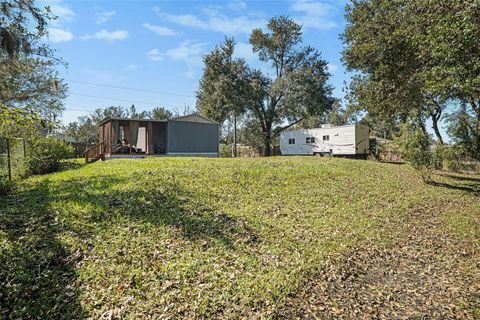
x: 426, y: 273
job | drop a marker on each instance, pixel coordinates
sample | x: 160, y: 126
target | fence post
x: 9, y: 165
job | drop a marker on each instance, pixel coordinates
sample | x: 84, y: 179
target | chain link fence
x: 13, y: 153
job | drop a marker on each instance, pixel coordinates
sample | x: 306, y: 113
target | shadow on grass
x: 71, y: 164
x: 38, y: 272
x: 450, y: 186
x: 164, y: 203
x: 461, y: 178
x: 393, y: 162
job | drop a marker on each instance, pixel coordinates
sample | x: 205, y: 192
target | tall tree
x: 297, y: 89
x: 461, y: 128
x: 223, y: 87
x: 383, y: 44
x: 449, y: 33
x: 27, y: 65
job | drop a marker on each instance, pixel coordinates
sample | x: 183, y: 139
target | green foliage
x: 160, y: 113
x: 338, y: 116
x: 223, y: 88
x: 416, y: 147
x: 448, y: 158
x: 296, y: 90
x: 18, y: 122
x: 461, y: 129
x: 5, y: 185
x: 414, y: 56
x: 28, y: 67
x: 45, y: 154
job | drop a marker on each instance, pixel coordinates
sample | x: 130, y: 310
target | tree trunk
x: 267, y: 142
x: 478, y: 134
x: 234, y: 150
x: 435, y: 119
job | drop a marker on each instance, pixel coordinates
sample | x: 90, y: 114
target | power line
x: 115, y: 99
x: 132, y: 89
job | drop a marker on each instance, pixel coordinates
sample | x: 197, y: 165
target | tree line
x: 413, y: 62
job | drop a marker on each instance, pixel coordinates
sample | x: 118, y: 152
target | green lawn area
x: 191, y: 237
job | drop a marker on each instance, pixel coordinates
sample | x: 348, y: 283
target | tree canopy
x: 28, y: 77
x: 298, y: 88
x: 412, y: 58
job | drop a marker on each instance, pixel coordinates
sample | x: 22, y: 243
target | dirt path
x: 425, y: 274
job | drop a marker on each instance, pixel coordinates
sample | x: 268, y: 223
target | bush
x: 415, y: 147
x: 447, y: 158
x: 5, y: 185
x: 391, y: 152
x: 44, y: 155
x: 225, y: 151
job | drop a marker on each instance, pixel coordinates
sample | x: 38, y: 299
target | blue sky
x: 158, y: 46
x: 112, y: 47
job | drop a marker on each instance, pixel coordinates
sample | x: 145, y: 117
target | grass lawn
x: 188, y: 237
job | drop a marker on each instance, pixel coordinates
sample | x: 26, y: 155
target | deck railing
x: 95, y: 153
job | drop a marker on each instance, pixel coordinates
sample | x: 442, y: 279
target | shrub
x: 415, y: 146
x: 447, y: 158
x: 391, y: 152
x: 225, y: 151
x: 44, y: 155
x: 5, y: 185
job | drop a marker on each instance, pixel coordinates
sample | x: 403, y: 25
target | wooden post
x: 234, y: 150
x: 146, y: 138
x: 149, y: 140
x: 9, y: 164
x: 111, y: 136
x: 130, y: 136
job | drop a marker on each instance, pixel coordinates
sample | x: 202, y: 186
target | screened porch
x: 130, y: 137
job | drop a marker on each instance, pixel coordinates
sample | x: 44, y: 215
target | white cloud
x: 244, y: 50
x: 132, y: 67
x: 188, y: 52
x: 314, y: 14
x: 108, y: 35
x: 155, y: 55
x: 61, y: 11
x: 237, y: 5
x: 214, y: 21
x: 105, y: 16
x: 57, y: 35
x: 163, y: 31
x: 332, y: 67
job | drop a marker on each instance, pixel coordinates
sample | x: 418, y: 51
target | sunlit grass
x: 172, y: 237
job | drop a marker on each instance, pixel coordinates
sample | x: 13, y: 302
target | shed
x: 190, y: 135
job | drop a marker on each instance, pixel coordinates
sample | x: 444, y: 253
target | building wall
x: 192, y: 137
x: 340, y: 141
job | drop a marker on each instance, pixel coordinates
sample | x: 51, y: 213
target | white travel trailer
x: 349, y: 140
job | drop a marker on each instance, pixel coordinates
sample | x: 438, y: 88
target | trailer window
x: 310, y: 139
x: 326, y: 138
x: 291, y: 141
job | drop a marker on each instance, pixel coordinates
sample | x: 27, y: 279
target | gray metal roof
x: 194, y: 117
x: 107, y: 119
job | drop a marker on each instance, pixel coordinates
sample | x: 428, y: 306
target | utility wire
x: 115, y: 99
x: 132, y: 89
